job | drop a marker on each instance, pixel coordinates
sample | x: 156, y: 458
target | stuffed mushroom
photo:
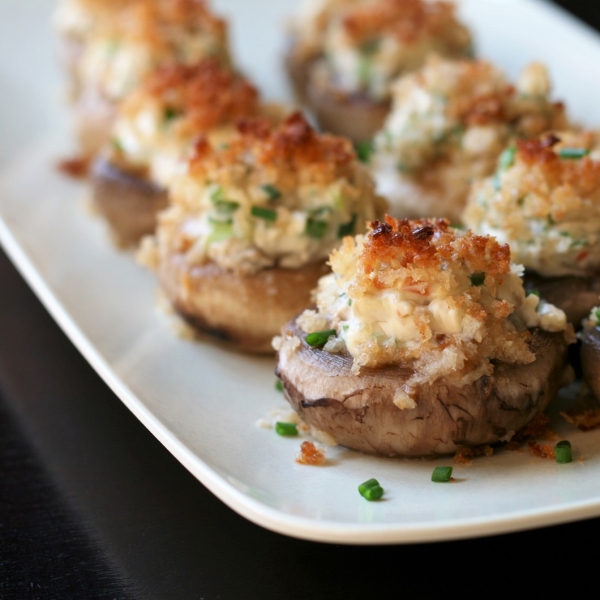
x: 76, y: 21
x: 367, y: 44
x: 423, y: 340
x: 251, y: 225
x: 141, y: 37
x: 153, y: 136
x: 449, y: 123
x: 544, y: 201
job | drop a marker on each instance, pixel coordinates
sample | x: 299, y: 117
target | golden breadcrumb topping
x: 367, y: 44
x: 545, y: 202
x: 449, y: 123
x: 147, y: 34
x: 206, y: 94
x: 421, y: 293
x: 177, y: 103
x: 405, y: 19
x: 272, y: 196
x: 292, y: 152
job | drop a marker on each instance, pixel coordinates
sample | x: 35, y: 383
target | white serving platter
x: 201, y: 401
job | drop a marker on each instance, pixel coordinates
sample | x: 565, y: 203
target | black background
x: 92, y: 506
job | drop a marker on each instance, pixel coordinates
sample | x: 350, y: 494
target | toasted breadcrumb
x: 311, y: 455
x: 586, y: 419
x: 465, y: 454
x: 541, y: 450
x: 76, y: 167
x: 538, y: 427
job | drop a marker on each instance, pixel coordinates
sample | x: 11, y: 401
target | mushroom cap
x: 129, y: 202
x: 353, y: 115
x: 246, y: 311
x: 590, y: 359
x: 359, y: 410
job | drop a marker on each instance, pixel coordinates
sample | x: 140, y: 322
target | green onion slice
x: 507, y: 159
x: 319, y: 338
x: 371, y: 490
x: 563, y: 452
x: 441, y: 474
x: 170, y: 114
x: 271, y: 191
x: 316, y: 229
x: 279, y: 385
x: 573, y: 153
x: 266, y: 214
x: 478, y: 279
x: 226, y: 206
x: 364, y: 150
x: 286, y: 429
x: 347, y: 228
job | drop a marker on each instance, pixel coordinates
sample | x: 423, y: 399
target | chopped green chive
x: 264, y: 213
x: 364, y: 150
x: 507, y: 158
x: 478, y: 279
x: 116, y: 143
x: 271, y: 191
x: 286, y: 429
x: 279, y: 385
x: 597, y: 314
x: 371, y: 490
x: 563, y: 452
x: 364, y: 70
x: 573, y: 153
x: 170, y: 114
x: 221, y: 220
x: 319, y: 338
x: 226, y: 206
x: 441, y: 474
x: 315, y: 228
x: 347, y: 228
x: 349, y: 301
x: 370, y: 46
x: 535, y: 293
x: 550, y: 221
x: 217, y: 194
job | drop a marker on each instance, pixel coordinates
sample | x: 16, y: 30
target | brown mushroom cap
x: 355, y: 115
x: 244, y: 310
x: 298, y: 70
x: 128, y: 202
x: 359, y: 412
x: 576, y: 296
x: 590, y: 360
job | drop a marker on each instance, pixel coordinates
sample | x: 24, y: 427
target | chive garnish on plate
x: 441, y: 474
x: 371, y: 490
x: 563, y: 452
x: 279, y: 385
x: 286, y: 429
x: 316, y: 229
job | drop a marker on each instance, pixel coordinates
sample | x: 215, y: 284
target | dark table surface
x: 92, y: 506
